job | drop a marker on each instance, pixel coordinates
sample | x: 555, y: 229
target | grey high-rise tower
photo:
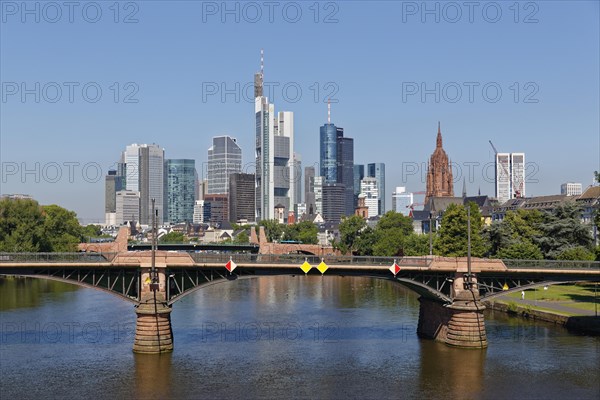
x: 345, y: 169
x: 275, y: 178
x: 145, y: 174
x: 224, y: 159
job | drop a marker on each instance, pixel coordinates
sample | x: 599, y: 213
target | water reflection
x: 20, y: 292
x: 358, y: 341
x: 450, y: 372
x: 153, y: 376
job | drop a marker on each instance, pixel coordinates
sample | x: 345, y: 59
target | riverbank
x: 574, y: 306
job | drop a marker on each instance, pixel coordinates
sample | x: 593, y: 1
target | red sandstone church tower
x: 439, y: 173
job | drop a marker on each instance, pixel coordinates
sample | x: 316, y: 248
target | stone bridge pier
x: 459, y: 324
x: 153, y: 333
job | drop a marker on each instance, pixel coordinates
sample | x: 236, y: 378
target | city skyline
x: 371, y: 94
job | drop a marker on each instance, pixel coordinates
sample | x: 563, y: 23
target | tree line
x: 26, y: 226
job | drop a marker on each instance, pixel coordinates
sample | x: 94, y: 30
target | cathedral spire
x: 464, y: 191
x: 439, y: 136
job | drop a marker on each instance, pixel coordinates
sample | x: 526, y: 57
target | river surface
x: 277, y: 337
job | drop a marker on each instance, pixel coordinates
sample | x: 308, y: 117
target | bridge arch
x: 417, y: 287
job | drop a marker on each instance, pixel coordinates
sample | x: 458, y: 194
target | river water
x: 277, y: 337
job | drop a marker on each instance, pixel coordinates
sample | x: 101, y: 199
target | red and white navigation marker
x: 395, y: 268
x: 230, y: 265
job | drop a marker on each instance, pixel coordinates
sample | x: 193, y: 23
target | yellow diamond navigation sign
x: 305, y: 267
x: 322, y: 267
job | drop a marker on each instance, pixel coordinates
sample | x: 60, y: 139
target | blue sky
x: 373, y: 57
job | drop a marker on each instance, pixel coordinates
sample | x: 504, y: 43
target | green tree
x: 452, y: 237
x: 416, y: 245
x: 577, y: 253
x: 273, y: 229
x: 389, y: 234
x: 91, y: 231
x: 365, y: 242
x: 172, y: 237
x: 562, y: 229
x: 305, y: 232
x: 392, y: 220
x: 351, y: 228
x: 388, y: 242
x: 61, y: 228
x: 22, y: 226
x: 242, y: 238
x: 520, y: 251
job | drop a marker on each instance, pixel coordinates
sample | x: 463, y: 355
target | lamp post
x: 153, y: 275
x: 430, y: 240
x: 469, y: 283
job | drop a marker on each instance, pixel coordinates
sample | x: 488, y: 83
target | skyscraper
x: 241, y: 197
x: 224, y: 159
x: 275, y: 180
x: 345, y: 169
x: 328, y: 152
x: 439, y: 173
x: 510, y: 176
x: 127, y: 206
x: 377, y: 170
x: 180, y: 193
x: 359, y: 174
x: 113, y: 183
x: 333, y: 209
x: 297, y: 170
x: 145, y: 174
x: 402, y: 201
x: 369, y: 188
x: 309, y: 190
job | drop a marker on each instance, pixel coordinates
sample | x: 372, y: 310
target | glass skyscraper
x: 328, y: 152
x: 181, y: 185
x: 224, y: 159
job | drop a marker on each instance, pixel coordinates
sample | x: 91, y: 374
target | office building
x: 510, y: 176
x: 571, y: 189
x: 241, y: 197
x: 333, y: 208
x: 219, y: 208
x: 369, y: 187
x: 318, y: 188
x: 224, y: 159
x: 345, y: 169
x: 359, y: 174
x: 145, y: 174
x: 309, y: 190
x: 127, y: 206
x: 377, y: 171
x: 113, y: 183
x: 180, y: 192
x: 297, y: 170
x: 275, y: 180
x: 402, y: 201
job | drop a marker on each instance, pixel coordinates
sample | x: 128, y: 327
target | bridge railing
x: 552, y: 264
x: 312, y: 259
x: 56, y: 257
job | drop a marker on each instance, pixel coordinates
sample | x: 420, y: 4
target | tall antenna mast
x: 328, y: 111
x: 262, y: 63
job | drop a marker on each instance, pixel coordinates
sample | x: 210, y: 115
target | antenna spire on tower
x: 262, y: 62
x: 329, y: 111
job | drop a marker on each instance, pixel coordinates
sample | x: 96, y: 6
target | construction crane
x: 512, y: 182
